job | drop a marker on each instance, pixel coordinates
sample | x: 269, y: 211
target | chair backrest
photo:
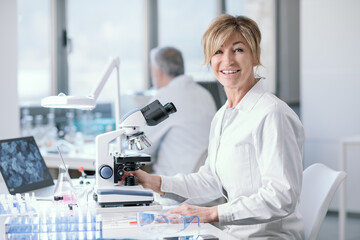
x: 318, y: 188
x: 217, y: 91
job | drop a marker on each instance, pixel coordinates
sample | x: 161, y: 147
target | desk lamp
x: 89, y: 102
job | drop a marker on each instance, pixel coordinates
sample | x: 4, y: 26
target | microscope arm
x: 102, y: 144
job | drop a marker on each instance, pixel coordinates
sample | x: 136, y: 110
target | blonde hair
x: 221, y: 29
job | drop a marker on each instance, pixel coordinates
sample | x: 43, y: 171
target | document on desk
x: 127, y: 228
x: 165, y: 238
x: 132, y: 231
x: 190, y: 237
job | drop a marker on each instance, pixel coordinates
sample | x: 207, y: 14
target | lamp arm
x: 114, y: 63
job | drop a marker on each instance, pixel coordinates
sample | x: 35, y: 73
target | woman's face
x: 233, y: 63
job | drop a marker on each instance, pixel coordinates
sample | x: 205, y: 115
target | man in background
x: 179, y: 141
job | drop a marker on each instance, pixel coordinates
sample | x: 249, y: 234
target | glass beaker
x: 64, y: 190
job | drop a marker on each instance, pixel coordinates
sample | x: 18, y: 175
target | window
x: 263, y: 12
x: 181, y: 25
x: 108, y: 28
x: 235, y: 7
x: 99, y: 30
x: 34, y: 60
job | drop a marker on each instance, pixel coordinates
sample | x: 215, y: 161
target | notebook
x: 23, y: 168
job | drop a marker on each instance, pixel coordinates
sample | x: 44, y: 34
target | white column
x: 9, y: 103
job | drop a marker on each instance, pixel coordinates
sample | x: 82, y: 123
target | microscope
x: 109, y: 190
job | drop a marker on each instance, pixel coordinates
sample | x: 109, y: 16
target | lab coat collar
x: 250, y: 98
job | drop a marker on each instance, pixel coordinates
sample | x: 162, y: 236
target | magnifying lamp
x: 89, y: 102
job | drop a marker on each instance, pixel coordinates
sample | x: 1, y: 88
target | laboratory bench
x: 109, y: 223
x: 120, y: 224
x: 82, y: 157
x: 121, y: 229
x: 73, y: 160
x: 116, y: 224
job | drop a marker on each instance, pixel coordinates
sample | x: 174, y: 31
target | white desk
x: 116, y: 224
x: 114, y: 229
x: 119, y: 226
x: 344, y: 143
x: 73, y: 160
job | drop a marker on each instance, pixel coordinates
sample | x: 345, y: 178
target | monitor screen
x: 22, y: 166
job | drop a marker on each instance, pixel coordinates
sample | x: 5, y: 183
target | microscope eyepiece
x: 155, y: 113
x: 170, y: 108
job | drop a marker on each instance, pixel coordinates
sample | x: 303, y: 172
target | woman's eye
x: 218, y: 52
x: 239, y: 50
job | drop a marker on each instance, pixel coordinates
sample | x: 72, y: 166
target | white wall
x: 330, y: 84
x: 9, y: 107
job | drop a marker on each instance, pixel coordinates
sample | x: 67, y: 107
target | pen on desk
x: 81, y: 170
x: 44, y: 199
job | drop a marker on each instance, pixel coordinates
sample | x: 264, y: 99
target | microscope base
x: 123, y: 196
x: 124, y: 204
x: 127, y: 211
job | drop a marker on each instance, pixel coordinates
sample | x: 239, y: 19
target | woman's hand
x: 206, y: 214
x: 147, y: 180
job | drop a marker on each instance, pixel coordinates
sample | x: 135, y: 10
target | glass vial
x: 64, y: 190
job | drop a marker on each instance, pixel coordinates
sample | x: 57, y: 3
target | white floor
x: 330, y: 227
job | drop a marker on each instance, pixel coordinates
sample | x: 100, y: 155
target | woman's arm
x: 201, y: 185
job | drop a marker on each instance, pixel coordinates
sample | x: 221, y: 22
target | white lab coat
x: 257, y: 161
x: 178, y: 142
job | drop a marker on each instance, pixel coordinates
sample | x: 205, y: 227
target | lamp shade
x: 63, y: 101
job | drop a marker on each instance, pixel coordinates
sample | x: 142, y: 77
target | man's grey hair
x: 169, y: 60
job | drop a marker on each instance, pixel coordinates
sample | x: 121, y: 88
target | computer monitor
x: 22, y: 167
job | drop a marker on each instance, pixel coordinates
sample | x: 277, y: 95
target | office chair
x: 216, y: 90
x: 318, y: 188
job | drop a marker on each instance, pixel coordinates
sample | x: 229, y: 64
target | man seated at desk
x: 178, y: 142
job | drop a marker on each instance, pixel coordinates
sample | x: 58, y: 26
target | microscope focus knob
x: 105, y: 171
x: 120, y: 173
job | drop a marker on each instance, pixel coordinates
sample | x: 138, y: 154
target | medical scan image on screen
x: 21, y: 163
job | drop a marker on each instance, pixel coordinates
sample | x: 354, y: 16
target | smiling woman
x: 255, y: 134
